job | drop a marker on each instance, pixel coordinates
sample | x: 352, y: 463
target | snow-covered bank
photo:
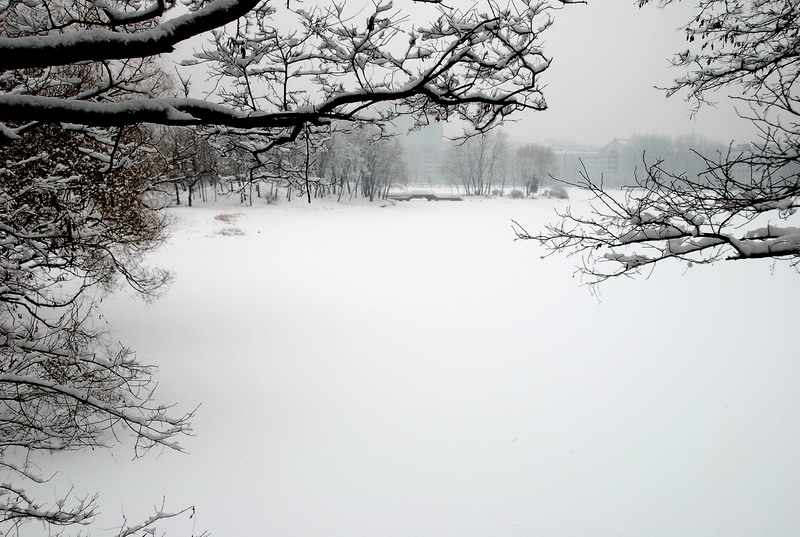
x: 412, y: 371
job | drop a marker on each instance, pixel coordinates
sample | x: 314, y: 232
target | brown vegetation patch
x: 230, y: 232
x: 229, y: 218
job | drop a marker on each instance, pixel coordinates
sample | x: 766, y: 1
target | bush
x: 556, y: 191
x: 516, y: 194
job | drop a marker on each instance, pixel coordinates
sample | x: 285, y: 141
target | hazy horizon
x: 607, y: 62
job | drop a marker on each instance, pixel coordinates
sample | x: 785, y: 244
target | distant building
x: 617, y: 162
x: 424, y: 151
x: 612, y: 162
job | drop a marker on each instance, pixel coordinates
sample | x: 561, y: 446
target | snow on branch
x: 74, y: 221
x: 479, y: 64
x: 99, y: 44
x: 117, y: 17
x: 721, y: 215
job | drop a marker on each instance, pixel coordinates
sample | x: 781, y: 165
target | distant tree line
x: 364, y: 162
x: 361, y: 162
x: 351, y: 163
x: 486, y: 163
x: 684, y: 154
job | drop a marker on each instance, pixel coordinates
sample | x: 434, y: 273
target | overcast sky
x: 608, y: 58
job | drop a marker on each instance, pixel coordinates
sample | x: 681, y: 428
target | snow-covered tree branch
x: 98, y: 37
x: 320, y: 63
x: 76, y: 216
x: 74, y: 219
x: 474, y: 164
x: 742, y: 204
x: 722, y: 215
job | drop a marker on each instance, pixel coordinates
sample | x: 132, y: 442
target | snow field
x: 412, y: 371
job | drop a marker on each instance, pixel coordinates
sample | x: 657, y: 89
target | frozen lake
x: 411, y: 371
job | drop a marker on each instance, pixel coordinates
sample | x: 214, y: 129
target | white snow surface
x: 411, y: 371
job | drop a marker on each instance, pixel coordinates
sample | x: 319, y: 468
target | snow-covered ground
x: 411, y: 371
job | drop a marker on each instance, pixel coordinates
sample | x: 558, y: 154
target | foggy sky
x: 608, y: 58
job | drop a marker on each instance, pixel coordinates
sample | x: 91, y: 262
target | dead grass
x: 229, y: 218
x: 230, y: 232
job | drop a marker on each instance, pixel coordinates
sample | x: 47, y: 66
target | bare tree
x: 476, y: 161
x: 361, y: 161
x: 741, y: 203
x: 384, y: 166
x: 186, y: 161
x: 340, y: 162
x: 531, y: 166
